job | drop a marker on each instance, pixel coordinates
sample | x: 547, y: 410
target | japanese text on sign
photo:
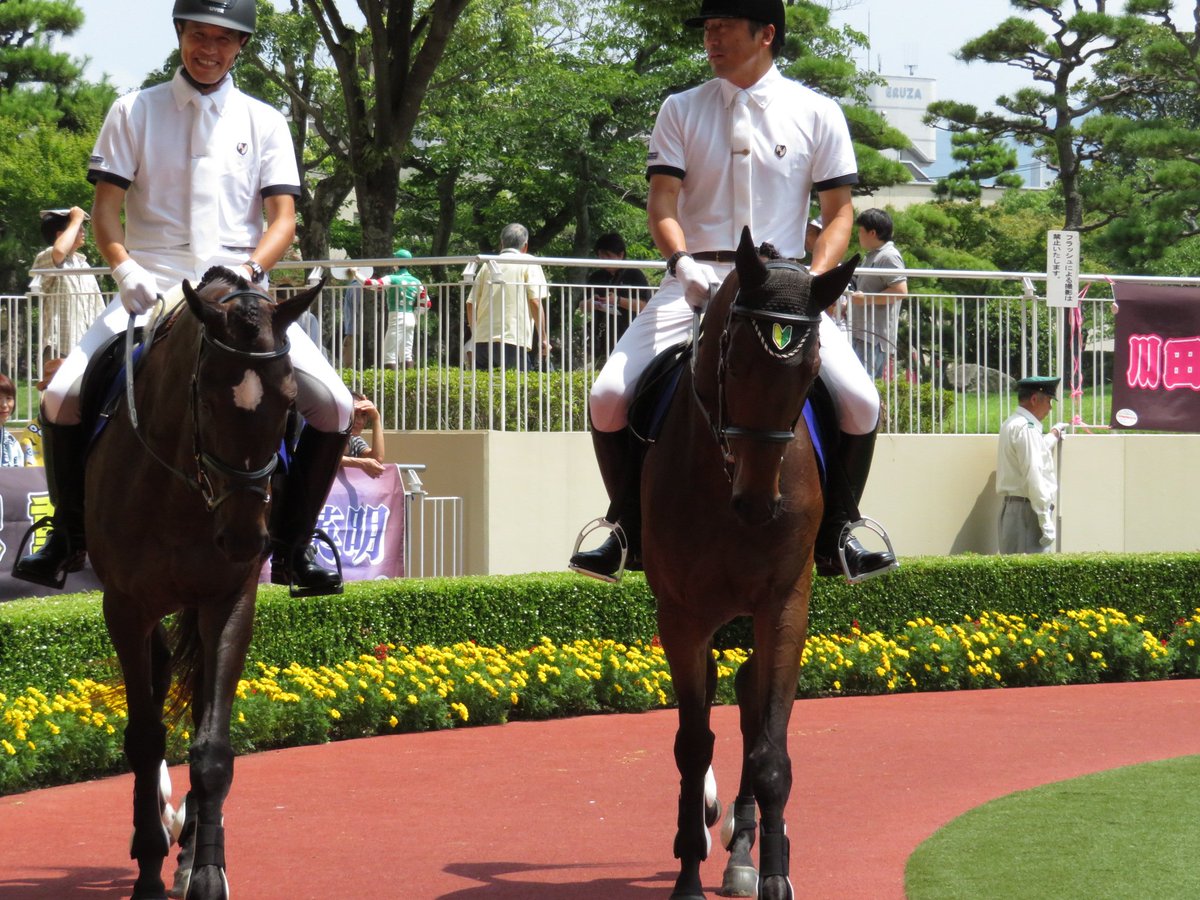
x: 1062, y: 269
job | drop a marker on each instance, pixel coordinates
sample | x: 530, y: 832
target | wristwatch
x: 257, y: 272
x: 674, y: 261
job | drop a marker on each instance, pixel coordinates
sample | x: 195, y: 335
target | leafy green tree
x: 1057, y: 48
x: 983, y: 158
x: 49, y: 118
x: 1147, y: 181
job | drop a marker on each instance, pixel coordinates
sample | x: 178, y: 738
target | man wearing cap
x: 195, y: 165
x: 747, y: 148
x: 1025, y: 475
x: 70, y: 299
x: 405, y: 298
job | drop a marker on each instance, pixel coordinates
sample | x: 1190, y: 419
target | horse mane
x: 243, y: 318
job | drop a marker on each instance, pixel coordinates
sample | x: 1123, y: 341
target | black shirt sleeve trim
x: 95, y: 176
x: 664, y: 170
x: 274, y: 190
x: 840, y: 181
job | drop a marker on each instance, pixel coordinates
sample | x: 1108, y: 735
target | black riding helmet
x: 239, y: 15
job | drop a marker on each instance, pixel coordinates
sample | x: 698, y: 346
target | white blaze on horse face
x: 248, y: 395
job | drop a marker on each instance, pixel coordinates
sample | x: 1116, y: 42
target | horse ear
x: 199, y: 308
x: 828, y: 286
x: 289, y: 310
x: 751, y: 271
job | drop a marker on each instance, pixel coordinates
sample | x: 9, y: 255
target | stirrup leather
x: 618, y: 532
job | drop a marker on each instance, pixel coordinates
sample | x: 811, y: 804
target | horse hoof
x: 739, y: 881
x: 777, y: 887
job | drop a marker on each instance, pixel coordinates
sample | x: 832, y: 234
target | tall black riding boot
x: 296, y: 509
x: 842, y: 494
x: 64, y: 448
x: 620, y: 457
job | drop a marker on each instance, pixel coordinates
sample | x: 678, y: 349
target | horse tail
x: 186, y: 661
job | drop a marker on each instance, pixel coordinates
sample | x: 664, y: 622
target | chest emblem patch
x: 242, y: 148
x: 780, y: 151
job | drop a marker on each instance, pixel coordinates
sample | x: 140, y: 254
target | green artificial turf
x: 1132, y: 832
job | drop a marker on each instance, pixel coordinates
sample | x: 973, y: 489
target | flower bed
x: 77, y: 733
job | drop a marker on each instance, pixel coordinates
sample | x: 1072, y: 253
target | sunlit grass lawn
x: 1126, y: 833
x: 979, y: 413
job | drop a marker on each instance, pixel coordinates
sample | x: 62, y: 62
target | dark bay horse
x: 732, y: 501
x: 177, y: 505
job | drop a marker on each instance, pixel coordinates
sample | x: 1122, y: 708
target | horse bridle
x: 243, y: 479
x: 721, y: 428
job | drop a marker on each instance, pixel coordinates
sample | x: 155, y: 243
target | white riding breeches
x: 321, y: 396
x: 667, y: 320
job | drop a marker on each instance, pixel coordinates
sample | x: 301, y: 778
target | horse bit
x: 781, y: 323
x: 244, y: 478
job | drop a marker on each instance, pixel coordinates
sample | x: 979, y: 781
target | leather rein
x: 252, y: 480
x: 722, y: 429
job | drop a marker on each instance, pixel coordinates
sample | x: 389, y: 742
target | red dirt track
x: 583, y: 809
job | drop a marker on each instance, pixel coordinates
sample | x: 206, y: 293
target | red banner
x: 1156, y: 358
x: 364, y: 517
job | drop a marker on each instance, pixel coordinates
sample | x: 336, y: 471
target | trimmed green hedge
x: 45, y: 642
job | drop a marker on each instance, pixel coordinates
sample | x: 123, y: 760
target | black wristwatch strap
x: 257, y: 273
x: 674, y: 259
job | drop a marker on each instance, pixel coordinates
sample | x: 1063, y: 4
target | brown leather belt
x: 725, y: 257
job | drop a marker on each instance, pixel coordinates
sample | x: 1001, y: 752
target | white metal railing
x: 433, y: 529
x: 951, y: 356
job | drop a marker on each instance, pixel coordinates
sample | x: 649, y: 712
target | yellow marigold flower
x: 8, y: 748
x: 393, y: 721
x: 334, y: 714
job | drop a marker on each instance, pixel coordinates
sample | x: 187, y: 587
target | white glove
x: 699, y: 281
x: 138, y: 287
x: 1047, y: 537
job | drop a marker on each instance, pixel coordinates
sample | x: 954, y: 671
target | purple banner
x: 364, y: 516
x: 25, y: 499
x: 1156, y: 358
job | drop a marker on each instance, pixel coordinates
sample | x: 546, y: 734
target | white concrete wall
x: 527, y: 495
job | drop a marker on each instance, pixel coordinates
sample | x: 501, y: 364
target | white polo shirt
x: 143, y: 147
x: 800, y: 142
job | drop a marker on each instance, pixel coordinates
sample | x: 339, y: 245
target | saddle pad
x: 655, y: 388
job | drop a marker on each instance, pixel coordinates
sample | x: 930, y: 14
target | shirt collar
x: 184, y: 93
x: 759, y: 93
x: 1030, y: 416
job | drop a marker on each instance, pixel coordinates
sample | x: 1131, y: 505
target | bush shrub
x: 47, y: 641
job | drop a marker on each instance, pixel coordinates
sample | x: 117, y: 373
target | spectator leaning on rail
x: 875, y: 305
x: 505, y: 308
x: 705, y: 185
x: 12, y: 451
x: 1025, y: 475
x: 195, y: 164
x: 617, y: 293
x: 70, y: 299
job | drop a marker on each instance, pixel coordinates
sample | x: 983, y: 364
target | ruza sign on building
x: 1156, y: 357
